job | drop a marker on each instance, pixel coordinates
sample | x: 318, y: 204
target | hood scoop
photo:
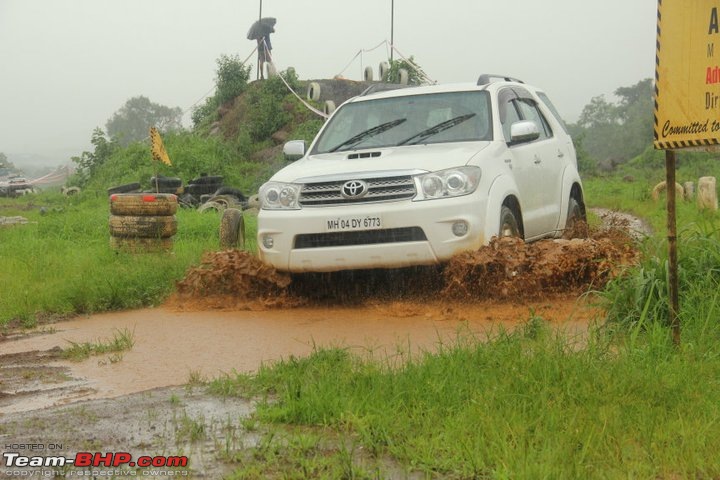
x: 353, y: 156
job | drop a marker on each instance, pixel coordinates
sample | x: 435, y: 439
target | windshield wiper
x: 437, y: 129
x: 371, y: 132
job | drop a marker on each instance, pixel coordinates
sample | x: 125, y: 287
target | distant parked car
x: 15, y: 186
x: 417, y: 175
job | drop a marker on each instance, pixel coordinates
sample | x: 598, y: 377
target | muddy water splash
x: 511, y: 268
x: 506, y: 268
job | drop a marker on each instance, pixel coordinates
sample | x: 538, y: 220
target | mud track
x: 231, y: 313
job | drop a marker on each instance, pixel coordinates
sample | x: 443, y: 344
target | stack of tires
x: 204, y: 185
x: 161, y: 184
x: 143, y: 222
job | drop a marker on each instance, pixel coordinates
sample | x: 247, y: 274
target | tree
x: 597, y: 113
x: 231, y: 80
x: 132, y: 122
x: 613, y: 133
x: 415, y: 74
x: 89, y: 162
x: 5, y: 164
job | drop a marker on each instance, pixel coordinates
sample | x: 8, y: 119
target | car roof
x: 441, y: 88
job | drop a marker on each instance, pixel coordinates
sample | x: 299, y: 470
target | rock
x: 281, y: 136
x: 707, y: 193
x: 662, y: 186
x: 8, y: 221
x: 689, y: 188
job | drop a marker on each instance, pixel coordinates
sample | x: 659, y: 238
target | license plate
x: 351, y: 224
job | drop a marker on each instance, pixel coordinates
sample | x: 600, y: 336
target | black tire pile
x: 205, y: 192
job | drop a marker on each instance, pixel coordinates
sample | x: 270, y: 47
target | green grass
x: 122, y: 340
x: 634, y: 197
x: 63, y: 264
x: 626, y: 403
x: 527, y: 404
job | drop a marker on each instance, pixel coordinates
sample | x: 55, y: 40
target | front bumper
x: 434, y: 220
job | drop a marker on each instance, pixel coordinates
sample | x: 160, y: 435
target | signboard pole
x: 673, y: 304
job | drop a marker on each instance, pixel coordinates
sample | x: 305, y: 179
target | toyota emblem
x: 354, y: 189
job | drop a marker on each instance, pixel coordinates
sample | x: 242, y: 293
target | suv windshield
x: 408, y: 120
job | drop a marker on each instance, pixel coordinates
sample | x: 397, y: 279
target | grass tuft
x: 122, y: 340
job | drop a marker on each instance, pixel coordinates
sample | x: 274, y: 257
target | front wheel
x: 576, y: 224
x: 508, y: 223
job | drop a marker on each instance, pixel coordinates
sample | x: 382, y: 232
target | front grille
x: 364, y: 237
x: 383, y: 189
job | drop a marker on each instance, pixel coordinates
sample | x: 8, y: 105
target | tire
x: 207, y: 179
x: 173, y: 190
x: 165, y: 182
x: 141, y: 245
x: 232, y: 229
x: 143, y: 204
x: 188, y: 201
x: 235, y: 192
x: 509, y: 226
x: 211, y: 206
x: 226, y: 201
x: 329, y: 107
x: 404, y: 77
x: 575, y: 223
x: 368, y: 74
x: 127, y: 188
x: 383, y: 70
x: 313, y: 92
x: 143, y: 226
x: 198, y: 189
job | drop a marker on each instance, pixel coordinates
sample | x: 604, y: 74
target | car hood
x: 420, y: 158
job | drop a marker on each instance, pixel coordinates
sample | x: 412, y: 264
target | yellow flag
x: 158, y: 149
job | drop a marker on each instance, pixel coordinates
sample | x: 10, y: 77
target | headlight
x: 280, y: 196
x: 452, y: 182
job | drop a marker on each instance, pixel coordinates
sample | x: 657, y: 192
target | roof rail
x: 484, y: 79
x: 383, y: 87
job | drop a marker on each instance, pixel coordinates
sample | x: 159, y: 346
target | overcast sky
x: 67, y: 65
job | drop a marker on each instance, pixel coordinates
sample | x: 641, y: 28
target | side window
x: 529, y: 111
x: 508, y: 114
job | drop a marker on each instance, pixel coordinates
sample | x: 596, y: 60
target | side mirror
x: 294, y: 150
x: 524, y: 131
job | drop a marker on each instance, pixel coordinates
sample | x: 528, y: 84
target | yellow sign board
x: 159, y: 154
x: 687, y: 74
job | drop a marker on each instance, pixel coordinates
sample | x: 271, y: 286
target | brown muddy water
x: 232, y: 313
x: 173, y: 345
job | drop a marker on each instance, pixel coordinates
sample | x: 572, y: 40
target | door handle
x: 537, y: 160
x: 560, y: 153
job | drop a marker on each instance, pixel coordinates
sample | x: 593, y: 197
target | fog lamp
x: 460, y: 229
x: 268, y: 241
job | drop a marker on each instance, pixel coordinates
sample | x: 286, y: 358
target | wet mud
x: 232, y: 313
x: 507, y: 268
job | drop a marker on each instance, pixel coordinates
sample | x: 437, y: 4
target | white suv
x: 416, y: 175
